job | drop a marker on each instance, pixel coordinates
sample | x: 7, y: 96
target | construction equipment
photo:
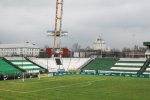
x: 57, y: 33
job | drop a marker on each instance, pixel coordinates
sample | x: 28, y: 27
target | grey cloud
x: 115, y: 20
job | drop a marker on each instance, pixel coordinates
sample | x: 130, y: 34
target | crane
x: 57, y: 33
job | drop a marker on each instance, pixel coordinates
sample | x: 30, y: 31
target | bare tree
x: 88, y: 48
x: 76, y: 47
x: 46, y: 46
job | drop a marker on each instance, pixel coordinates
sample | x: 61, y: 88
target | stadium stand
x: 24, y: 64
x: 144, y: 67
x: 147, y: 71
x: 123, y: 65
x: 104, y: 65
x: 128, y: 65
x: 100, y: 64
x: 6, y: 68
x: 66, y: 63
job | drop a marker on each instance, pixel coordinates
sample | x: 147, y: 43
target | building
x: 100, y: 44
x: 98, y: 49
x: 19, y: 49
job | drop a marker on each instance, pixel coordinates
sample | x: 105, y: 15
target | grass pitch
x: 76, y: 87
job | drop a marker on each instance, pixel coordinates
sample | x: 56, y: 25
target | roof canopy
x: 146, y: 44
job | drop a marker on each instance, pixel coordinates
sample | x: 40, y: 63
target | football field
x: 76, y: 87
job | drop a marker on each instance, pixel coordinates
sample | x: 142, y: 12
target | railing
x: 144, y: 67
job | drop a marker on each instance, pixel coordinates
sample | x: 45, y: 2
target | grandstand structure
x: 31, y: 65
x: 14, y: 66
x: 17, y: 67
x: 100, y: 64
x: 122, y: 65
x: 66, y: 64
x: 128, y: 65
x: 6, y: 68
x: 24, y: 64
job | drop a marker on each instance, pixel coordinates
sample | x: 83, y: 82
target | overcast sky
x: 121, y: 23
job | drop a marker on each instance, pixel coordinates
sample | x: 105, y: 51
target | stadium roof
x: 146, y: 43
x: 18, y: 45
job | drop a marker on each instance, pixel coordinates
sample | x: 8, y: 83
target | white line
x: 85, y: 85
x: 80, y: 84
x: 34, y: 82
x: 125, y: 68
x: 64, y: 86
x: 130, y: 64
x: 20, y: 82
x: 12, y: 91
x: 16, y: 63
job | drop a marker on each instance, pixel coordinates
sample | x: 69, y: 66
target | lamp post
x: 101, y: 50
x: 22, y: 66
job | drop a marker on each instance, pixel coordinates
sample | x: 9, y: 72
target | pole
x: 23, y: 77
x: 101, y: 40
x: 58, y: 33
x: 60, y: 29
x: 39, y: 76
x: 22, y: 66
x: 14, y: 75
x: 47, y: 65
x: 133, y: 36
x: 56, y: 21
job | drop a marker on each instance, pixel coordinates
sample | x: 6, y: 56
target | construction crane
x: 57, y: 33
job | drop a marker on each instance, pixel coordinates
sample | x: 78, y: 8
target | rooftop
x: 18, y: 45
x: 146, y: 43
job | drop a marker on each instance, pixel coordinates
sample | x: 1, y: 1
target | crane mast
x: 57, y: 33
x: 58, y: 23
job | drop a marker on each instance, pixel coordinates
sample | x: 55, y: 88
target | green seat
x: 6, y: 68
x: 100, y: 64
x: 25, y: 65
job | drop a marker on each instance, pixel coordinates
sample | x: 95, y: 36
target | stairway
x: 144, y: 67
x: 58, y: 61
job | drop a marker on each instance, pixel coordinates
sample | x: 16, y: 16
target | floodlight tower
x: 57, y: 33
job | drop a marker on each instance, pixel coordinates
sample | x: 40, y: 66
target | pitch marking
x: 81, y: 84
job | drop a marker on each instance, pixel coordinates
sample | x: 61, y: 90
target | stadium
x: 26, y: 73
